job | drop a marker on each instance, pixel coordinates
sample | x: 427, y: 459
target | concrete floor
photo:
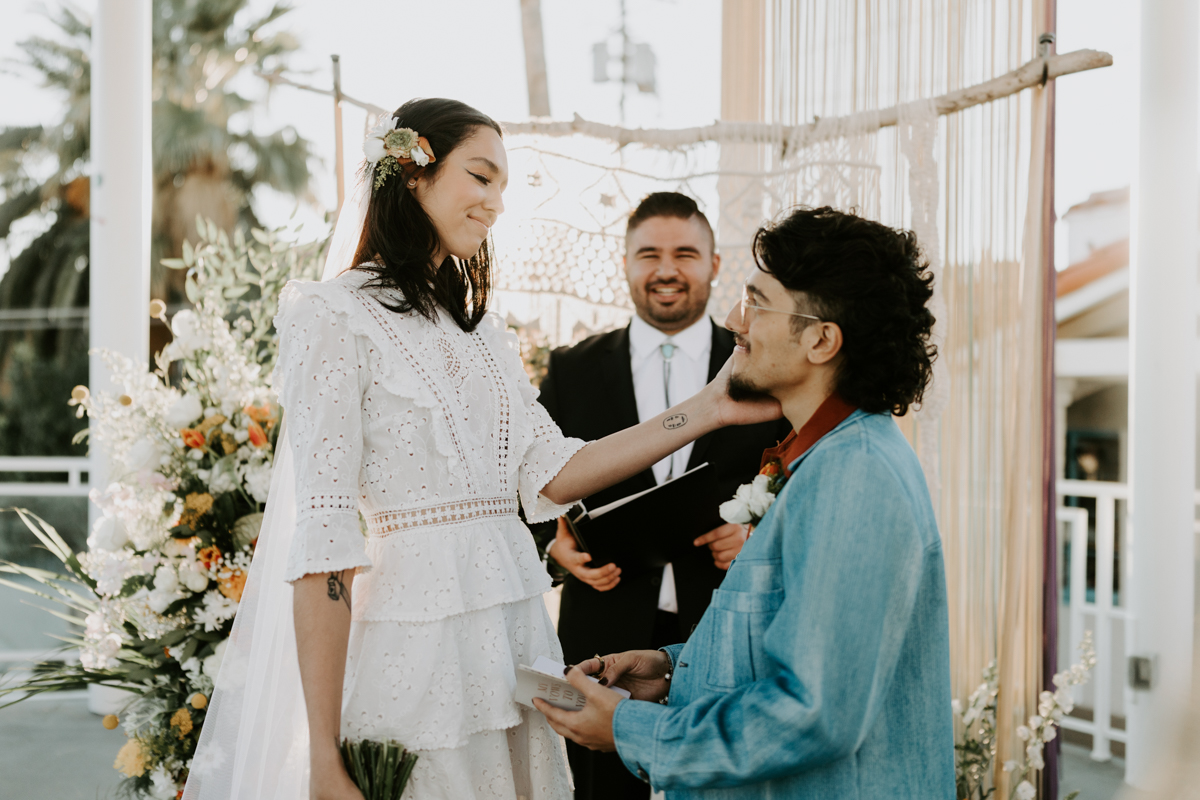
x: 1095, y: 780
x: 53, y: 747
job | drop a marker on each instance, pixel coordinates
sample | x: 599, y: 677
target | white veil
x: 254, y: 743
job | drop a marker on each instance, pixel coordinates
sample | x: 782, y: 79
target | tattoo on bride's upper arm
x: 337, y: 589
x: 675, y: 421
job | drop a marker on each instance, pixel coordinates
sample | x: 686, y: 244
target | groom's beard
x: 740, y: 389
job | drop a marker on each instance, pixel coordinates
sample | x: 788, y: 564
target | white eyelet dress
x: 433, y: 434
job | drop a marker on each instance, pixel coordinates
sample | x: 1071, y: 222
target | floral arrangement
x: 387, y: 147
x: 751, y: 500
x: 975, y: 749
x: 191, y: 447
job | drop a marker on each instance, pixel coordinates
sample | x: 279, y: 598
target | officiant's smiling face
x: 670, y: 267
x: 464, y: 198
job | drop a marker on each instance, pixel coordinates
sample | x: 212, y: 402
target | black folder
x: 650, y: 529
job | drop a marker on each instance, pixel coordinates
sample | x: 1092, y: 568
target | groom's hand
x: 591, y: 726
x: 645, y: 674
x: 725, y: 543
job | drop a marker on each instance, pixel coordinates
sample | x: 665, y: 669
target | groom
x: 822, y: 667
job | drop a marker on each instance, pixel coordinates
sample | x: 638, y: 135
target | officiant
x: 668, y: 352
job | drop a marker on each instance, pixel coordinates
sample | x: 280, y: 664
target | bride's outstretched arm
x: 622, y: 455
x: 321, y: 606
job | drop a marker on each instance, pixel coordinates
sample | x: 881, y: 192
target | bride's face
x: 464, y: 199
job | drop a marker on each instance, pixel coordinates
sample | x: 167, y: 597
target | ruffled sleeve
x: 318, y: 377
x: 545, y: 451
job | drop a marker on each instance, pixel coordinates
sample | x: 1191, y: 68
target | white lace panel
x: 319, y: 388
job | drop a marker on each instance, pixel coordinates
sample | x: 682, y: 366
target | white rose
x: 145, y: 454
x: 212, y: 664
x: 108, y: 534
x: 735, y: 510
x: 159, y: 600
x: 1025, y: 791
x: 373, y: 149
x: 1023, y: 733
x: 760, y: 499
x: 193, y: 578
x: 185, y: 326
x: 109, y: 646
x: 185, y: 410
x: 956, y: 707
x: 419, y: 156
x: 162, y: 786
x: 165, y: 579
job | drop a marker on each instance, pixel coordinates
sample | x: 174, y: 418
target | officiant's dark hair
x: 669, y: 204
x: 399, y: 239
x: 873, y: 282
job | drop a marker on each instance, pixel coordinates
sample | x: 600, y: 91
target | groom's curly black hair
x: 870, y: 280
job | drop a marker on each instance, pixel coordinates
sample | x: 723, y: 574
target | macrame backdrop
x: 970, y: 184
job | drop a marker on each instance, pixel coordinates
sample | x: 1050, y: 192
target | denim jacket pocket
x: 739, y: 621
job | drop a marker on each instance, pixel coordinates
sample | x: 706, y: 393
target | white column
x: 1162, y: 384
x: 121, y: 191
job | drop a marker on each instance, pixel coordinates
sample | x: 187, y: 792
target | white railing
x: 1074, y: 525
x: 73, y: 467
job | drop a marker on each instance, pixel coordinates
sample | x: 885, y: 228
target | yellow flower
x: 195, y: 506
x: 131, y: 760
x: 211, y: 422
x: 182, y: 720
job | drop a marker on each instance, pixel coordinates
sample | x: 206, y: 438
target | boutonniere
x: 751, y: 500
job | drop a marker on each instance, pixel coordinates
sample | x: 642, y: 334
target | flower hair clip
x: 387, y: 147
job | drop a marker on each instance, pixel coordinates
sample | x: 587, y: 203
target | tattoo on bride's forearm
x: 337, y: 589
x: 675, y: 421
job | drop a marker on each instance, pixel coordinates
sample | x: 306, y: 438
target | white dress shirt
x: 689, y: 374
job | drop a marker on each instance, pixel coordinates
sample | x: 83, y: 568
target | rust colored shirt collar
x: 827, y: 417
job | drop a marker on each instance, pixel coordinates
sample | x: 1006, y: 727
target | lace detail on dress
x: 319, y: 388
x: 384, y: 523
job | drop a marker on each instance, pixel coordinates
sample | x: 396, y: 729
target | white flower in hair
x: 373, y: 149
x: 419, y: 157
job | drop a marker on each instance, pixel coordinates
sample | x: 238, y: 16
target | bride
x: 406, y: 400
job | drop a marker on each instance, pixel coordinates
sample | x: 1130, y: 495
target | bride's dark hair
x: 399, y: 239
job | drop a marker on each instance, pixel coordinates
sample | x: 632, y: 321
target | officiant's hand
x: 566, y: 552
x: 725, y: 543
x: 591, y: 726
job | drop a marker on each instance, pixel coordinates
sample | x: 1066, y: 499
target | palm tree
x: 207, y: 161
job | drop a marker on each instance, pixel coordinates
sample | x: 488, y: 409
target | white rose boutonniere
x: 752, y: 500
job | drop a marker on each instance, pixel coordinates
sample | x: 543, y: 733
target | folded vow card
x: 545, y: 680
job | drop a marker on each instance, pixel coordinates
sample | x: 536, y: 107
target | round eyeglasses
x: 746, y: 304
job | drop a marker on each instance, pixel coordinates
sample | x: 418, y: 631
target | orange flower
x: 257, y: 437
x: 261, y: 414
x: 233, y: 585
x: 209, y: 556
x: 772, y: 469
x: 192, y: 438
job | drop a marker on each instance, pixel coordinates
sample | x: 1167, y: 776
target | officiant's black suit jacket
x: 588, y: 390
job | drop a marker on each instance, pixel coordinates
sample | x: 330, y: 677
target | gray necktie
x: 667, y: 349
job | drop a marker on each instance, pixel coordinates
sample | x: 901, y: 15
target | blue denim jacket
x: 822, y: 667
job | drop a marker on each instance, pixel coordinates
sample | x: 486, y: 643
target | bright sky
x: 390, y: 52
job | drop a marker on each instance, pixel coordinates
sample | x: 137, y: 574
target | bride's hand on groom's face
x: 738, y: 412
